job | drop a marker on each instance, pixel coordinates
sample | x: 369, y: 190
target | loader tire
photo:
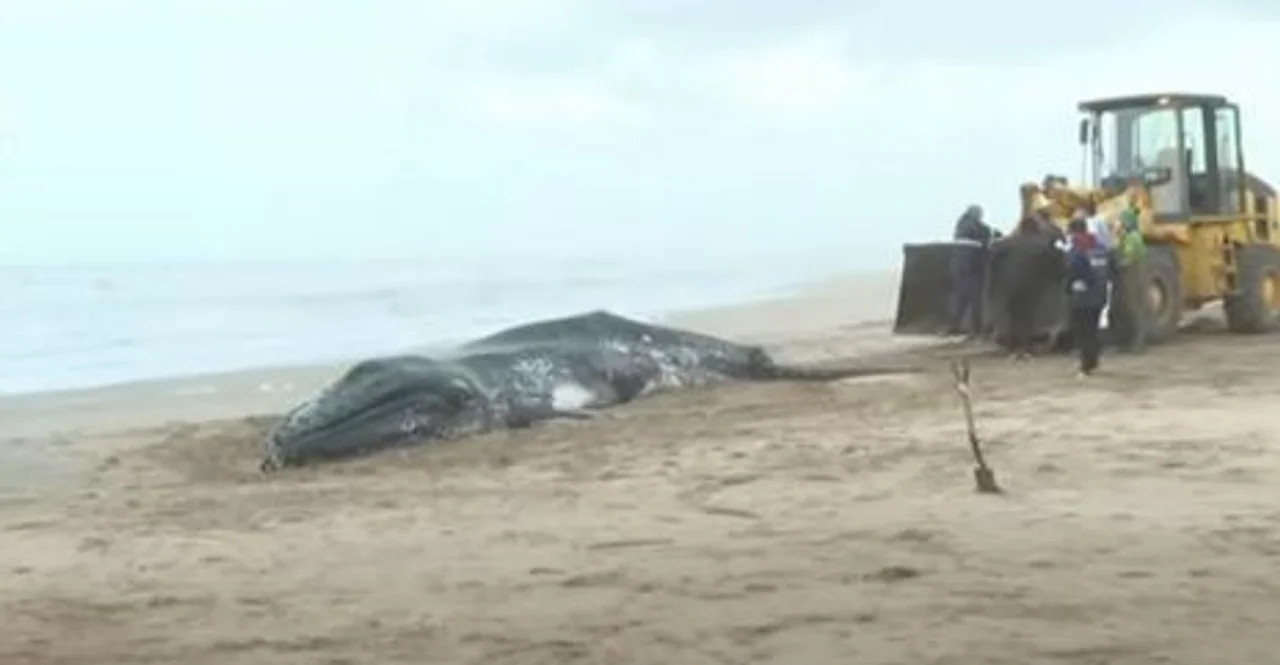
x: 1164, y: 294
x: 1255, y: 306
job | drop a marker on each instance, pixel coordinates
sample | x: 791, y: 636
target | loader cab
x: 1184, y: 148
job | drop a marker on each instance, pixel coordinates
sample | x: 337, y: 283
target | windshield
x: 1133, y: 139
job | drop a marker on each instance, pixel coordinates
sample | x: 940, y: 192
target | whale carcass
x: 556, y: 368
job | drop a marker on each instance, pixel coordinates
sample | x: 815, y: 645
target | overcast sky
x: 133, y: 129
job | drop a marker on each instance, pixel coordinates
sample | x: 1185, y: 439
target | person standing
x: 1088, y: 213
x: 1078, y: 216
x: 1090, y: 268
x: 1132, y: 258
x: 1098, y: 226
x: 968, y: 272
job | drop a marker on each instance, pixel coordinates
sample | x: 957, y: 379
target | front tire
x: 1163, y: 290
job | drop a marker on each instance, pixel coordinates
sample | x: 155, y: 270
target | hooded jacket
x: 969, y: 262
x: 971, y: 227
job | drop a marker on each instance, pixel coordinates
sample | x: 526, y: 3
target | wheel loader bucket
x: 924, y: 291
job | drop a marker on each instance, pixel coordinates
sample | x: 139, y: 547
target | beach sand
x: 752, y: 523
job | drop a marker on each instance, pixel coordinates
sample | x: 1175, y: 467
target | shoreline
x: 199, y: 323
x: 768, y: 319
x: 799, y: 325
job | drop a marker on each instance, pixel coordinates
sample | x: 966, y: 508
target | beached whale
x: 550, y: 369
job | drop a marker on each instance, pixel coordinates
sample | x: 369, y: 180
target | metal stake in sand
x: 982, y: 474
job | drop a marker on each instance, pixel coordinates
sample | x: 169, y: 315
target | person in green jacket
x: 1132, y: 254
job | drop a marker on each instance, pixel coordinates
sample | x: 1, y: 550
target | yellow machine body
x: 1212, y: 229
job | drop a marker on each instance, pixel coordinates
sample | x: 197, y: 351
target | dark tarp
x: 1027, y: 272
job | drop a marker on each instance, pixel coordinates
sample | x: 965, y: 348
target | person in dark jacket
x: 971, y: 227
x: 968, y: 268
x: 1090, y: 270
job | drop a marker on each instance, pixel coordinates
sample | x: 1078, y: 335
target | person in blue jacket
x: 1090, y: 271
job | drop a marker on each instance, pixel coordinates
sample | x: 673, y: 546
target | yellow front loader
x: 1212, y: 228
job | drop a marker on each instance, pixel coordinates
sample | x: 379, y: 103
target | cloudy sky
x: 145, y: 129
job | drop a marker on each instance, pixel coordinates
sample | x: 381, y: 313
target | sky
x: 142, y: 130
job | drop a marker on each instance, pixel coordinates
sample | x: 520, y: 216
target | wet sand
x: 750, y: 523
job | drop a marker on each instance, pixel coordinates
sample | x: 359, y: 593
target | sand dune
x: 775, y: 523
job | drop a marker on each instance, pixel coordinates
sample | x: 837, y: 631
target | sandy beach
x: 751, y: 523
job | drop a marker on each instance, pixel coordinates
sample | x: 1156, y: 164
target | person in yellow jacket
x: 1131, y: 251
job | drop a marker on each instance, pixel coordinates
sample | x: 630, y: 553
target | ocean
x: 64, y: 327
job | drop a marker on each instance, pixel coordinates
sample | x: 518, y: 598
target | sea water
x: 86, y: 325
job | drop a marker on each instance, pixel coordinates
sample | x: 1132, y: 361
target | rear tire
x: 1255, y: 306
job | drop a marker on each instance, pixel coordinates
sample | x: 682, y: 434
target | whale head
x: 377, y: 404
